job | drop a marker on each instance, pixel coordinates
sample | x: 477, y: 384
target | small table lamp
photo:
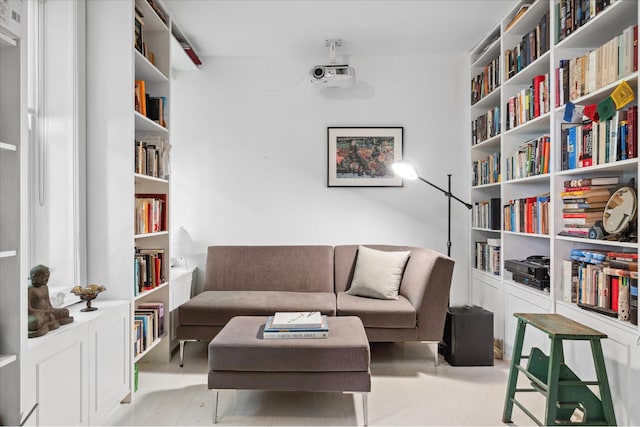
x: 181, y: 245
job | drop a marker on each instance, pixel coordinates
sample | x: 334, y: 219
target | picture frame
x: 363, y: 156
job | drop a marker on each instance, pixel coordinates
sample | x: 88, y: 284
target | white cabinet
x: 80, y: 372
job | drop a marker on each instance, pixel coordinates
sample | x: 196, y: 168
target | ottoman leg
x: 365, y: 409
x: 215, y: 407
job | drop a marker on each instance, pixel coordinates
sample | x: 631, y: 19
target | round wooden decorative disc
x: 620, y: 210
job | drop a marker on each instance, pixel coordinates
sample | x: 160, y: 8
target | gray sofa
x: 260, y: 280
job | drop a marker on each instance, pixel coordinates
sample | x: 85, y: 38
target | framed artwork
x: 362, y: 156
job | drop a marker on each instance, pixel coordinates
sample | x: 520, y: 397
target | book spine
x: 295, y: 335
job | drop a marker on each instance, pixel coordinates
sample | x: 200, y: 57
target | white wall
x: 249, y: 154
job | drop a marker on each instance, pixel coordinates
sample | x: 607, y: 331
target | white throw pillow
x: 378, y: 273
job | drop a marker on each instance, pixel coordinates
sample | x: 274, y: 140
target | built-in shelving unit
x: 131, y: 73
x: 499, y: 292
x: 5, y: 359
x: 13, y: 190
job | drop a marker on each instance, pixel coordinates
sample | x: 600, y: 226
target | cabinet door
x: 58, y: 371
x: 109, y: 347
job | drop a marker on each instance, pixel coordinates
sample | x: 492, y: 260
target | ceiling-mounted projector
x: 333, y: 75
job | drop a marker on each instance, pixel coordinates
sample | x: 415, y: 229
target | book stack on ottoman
x: 241, y: 358
x: 292, y: 325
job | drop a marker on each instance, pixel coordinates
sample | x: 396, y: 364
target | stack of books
x: 300, y: 324
x: 584, y: 201
x: 605, y: 282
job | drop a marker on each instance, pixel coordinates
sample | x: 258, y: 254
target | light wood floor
x: 406, y: 390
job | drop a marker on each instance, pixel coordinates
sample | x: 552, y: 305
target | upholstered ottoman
x: 239, y: 358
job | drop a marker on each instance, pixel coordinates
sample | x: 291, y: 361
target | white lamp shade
x: 181, y: 244
x: 405, y: 170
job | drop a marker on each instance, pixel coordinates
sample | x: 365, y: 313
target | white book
x: 297, y: 320
x: 566, y: 280
x: 493, y: 241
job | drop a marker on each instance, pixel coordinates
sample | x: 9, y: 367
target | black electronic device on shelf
x: 533, y: 271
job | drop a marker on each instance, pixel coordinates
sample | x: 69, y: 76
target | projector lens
x: 318, y: 72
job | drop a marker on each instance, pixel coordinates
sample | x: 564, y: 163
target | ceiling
x: 366, y: 27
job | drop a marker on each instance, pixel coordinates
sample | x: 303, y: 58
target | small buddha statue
x: 43, y: 317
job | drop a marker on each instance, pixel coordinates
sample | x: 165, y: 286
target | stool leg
x: 603, y: 382
x: 553, y: 377
x: 513, y: 371
x: 215, y: 407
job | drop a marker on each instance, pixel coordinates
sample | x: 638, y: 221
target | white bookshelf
x: 499, y: 293
x: 13, y: 211
x: 114, y: 64
x: 6, y: 359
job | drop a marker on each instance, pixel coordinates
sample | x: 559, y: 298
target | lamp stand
x: 449, y: 197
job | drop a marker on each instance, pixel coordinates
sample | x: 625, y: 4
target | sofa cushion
x: 216, y: 308
x: 377, y: 313
x: 269, y: 268
x: 378, y: 273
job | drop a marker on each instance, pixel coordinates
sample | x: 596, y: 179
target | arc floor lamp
x: 407, y: 171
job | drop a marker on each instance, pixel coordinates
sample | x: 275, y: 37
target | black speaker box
x: 468, y: 336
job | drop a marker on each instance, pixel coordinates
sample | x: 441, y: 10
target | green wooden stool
x: 549, y: 375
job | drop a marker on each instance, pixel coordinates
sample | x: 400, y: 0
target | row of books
x: 150, y: 213
x: 610, y: 62
x: 583, y: 204
x: 152, y: 156
x: 528, y: 215
x: 532, y: 46
x: 148, y: 325
x: 138, y: 36
x: 529, y: 103
x: 486, y: 171
x: 152, y: 107
x: 295, y: 325
x: 531, y: 159
x: 486, y: 214
x: 572, y: 14
x: 606, y: 282
x: 488, y: 256
x: 485, y: 126
x: 594, y: 143
x: 486, y: 82
x: 149, y: 269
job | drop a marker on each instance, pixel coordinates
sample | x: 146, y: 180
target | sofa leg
x: 433, y: 345
x: 182, y: 352
x: 215, y: 407
x: 182, y: 343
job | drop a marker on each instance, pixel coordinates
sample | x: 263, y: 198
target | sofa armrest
x: 426, y: 284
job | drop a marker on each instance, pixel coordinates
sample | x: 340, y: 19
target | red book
x: 632, y: 145
x: 588, y: 187
x: 615, y: 288
x: 623, y: 255
x: 537, y: 82
x: 582, y: 214
x: 194, y: 57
